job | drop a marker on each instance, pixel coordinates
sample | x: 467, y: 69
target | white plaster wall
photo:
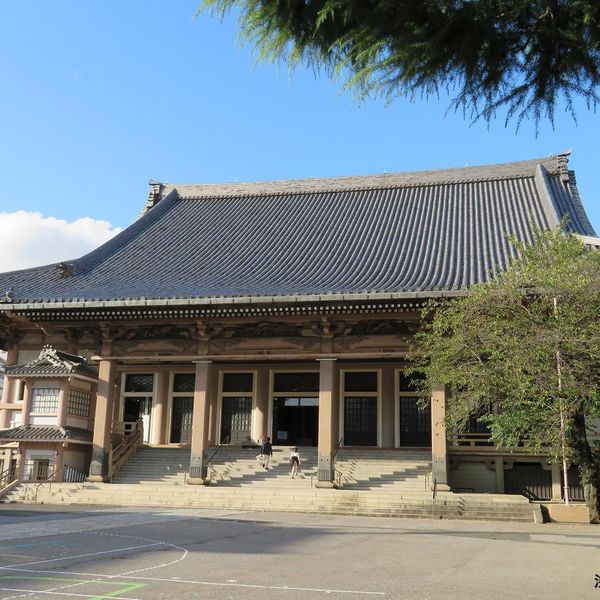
x: 46, y: 383
x: 81, y: 422
x: 16, y: 418
x: 45, y: 420
x: 76, y: 384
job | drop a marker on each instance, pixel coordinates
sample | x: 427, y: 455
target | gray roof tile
x: 406, y: 232
x: 45, y: 433
x: 54, y: 363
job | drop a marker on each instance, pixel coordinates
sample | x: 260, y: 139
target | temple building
x: 284, y: 309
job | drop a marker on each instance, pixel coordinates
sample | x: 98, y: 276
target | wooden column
x: 100, y: 467
x: 159, y: 409
x: 328, y: 420
x: 93, y: 393
x: 439, y: 453
x: 27, y: 399
x: 261, y: 410
x: 59, y: 464
x: 214, y: 436
x: 202, y: 399
x: 63, y: 400
x: 557, y: 491
x: 388, y: 407
x: 8, y: 393
x: 499, y: 466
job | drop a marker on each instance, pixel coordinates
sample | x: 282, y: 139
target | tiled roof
x: 46, y: 433
x: 394, y: 233
x: 54, y: 363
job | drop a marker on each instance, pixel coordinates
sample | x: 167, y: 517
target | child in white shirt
x: 294, y: 461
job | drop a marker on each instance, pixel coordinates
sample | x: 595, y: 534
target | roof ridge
x: 457, y: 175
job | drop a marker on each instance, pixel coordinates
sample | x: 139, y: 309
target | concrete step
x: 321, y: 501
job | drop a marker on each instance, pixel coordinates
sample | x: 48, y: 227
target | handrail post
x: 47, y: 480
x: 223, y: 442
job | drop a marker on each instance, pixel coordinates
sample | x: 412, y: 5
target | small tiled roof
x: 400, y: 233
x: 54, y: 363
x: 46, y: 433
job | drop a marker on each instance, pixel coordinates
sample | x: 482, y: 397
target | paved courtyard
x: 149, y: 554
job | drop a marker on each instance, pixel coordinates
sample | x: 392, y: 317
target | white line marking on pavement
x: 167, y: 564
x: 101, y: 578
x: 38, y: 562
x: 207, y: 583
x: 30, y: 592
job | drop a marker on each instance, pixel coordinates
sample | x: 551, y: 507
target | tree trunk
x: 589, y: 471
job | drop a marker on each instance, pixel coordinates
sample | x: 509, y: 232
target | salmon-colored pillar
x: 27, y: 400
x: 200, y: 423
x: 159, y: 410
x: 261, y: 410
x: 99, y: 467
x: 439, y: 444
x: 8, y: 394
x: 63, y: 399
x: 328, y: 421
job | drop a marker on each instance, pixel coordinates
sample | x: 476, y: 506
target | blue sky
x: 99, y: 97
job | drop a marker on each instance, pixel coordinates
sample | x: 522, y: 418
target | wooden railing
x: 73, y: 475
x: 54, y: 476
x: 475, y: 442
x: 433, y: 495
x: 470, y: 440
x: 125, y: 427
x: 337, y: 473
x: 8, y: 476
x: 122, y: 452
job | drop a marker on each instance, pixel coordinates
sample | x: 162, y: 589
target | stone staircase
x: 375, y: 483
x: 358, y: 469
x: 385, y: 470
x: 239, y: 467
x: 321, y: 501
x: 155, y: 466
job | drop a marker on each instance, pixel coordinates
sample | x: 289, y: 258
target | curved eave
x: 235, y: 300
x: 49, y: 375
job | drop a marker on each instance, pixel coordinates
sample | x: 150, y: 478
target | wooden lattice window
x: 45, y: 400
x: 79, y: 404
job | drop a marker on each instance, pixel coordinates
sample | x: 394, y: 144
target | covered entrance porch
x: 327, y: 403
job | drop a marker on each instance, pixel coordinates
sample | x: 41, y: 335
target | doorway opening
x: 138, y: 392
x: 296, y: 421
x: 138, y: 409
x: 296, y: 409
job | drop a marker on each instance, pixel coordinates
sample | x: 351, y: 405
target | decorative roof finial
x: 155, y: 195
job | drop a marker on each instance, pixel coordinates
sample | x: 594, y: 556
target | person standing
x: 294, y: 462
x: 261, y: 440
x: 267, y: 452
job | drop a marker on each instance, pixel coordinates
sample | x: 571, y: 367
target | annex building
x: 285, y: 308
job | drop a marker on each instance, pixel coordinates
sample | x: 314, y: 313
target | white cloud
x: 28, y: 239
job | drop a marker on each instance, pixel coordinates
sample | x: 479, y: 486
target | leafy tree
x: 527, y: 343
x: 518, y: 55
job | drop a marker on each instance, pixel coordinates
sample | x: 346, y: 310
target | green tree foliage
x: 516, y: 55
x: 527, y: 343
